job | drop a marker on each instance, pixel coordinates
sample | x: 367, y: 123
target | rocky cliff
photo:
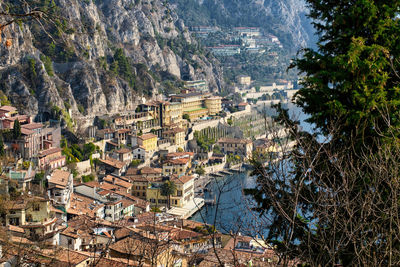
x: 98, y: 56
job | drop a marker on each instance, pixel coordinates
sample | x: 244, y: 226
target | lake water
x: 233, y: 209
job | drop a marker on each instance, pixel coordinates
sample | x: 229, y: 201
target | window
x: 36, y: 207
x: 179, y: 193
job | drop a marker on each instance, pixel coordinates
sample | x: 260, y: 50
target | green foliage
x: 2, y: 151
x: 155, y: 209
x: 352, y: 78
x: 204, y: 141
x: 87, y: 178
x: 168, y: 188
x: 200, y: 170
x: 77, y: 153
x: 26, y: 164
x: 217, y: 149
x: 121, y: 66
x: 17, y: 129
x: 32, y: 67
x: 186, y: 117
x: 48, y: 65
x: 81, y: 108
x: 230, y: 121
x: 135, y: 163
x: 351, y: 94
x: 4, y: 99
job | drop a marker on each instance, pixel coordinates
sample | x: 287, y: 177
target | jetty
x: 217, y: 175
x: 188, y: 210
x: 225, y: 173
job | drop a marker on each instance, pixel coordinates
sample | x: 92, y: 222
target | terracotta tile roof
x: 124, y: 131
x: 113, y: 163
x: 49, y: 151
x: 82, y: 205
x: 147, y: 136
x: 140, y: 203
x: 149, y: 170
x: 183, y: 179
x: 112, y: 143
x: 185, y: 234
x: 17, y: 229
x: 177, y: 161
x: 59, y: 177
x: 26, y: 131
x: 7, y: 108
x: 127, y: 202
x: 18, y: 117
x: 137, y: 178
x: 117, y: 181
x: 32, y: 126
x: 124, y: 151
x: 132, y: 171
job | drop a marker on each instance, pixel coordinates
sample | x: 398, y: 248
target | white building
x: 60, y: 187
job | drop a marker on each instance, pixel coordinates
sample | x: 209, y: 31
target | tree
x: 200, y: 170
x: 2, y: 151
x: 17, y: 129
x: 186, y: 117
x: 353, y: 76
x: 337, y: 200
x: 168, y: 188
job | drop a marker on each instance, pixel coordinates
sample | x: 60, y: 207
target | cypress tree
x: 17, y: 129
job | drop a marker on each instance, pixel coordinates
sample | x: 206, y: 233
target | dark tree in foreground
x: 334, y: 199
x: 17, y: 129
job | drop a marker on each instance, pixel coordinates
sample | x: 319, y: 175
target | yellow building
x: 213, y: 104
x: 176, y: 136
x: 183, y: 194
x: 148, y: 141
x: 172, y: 114
x: 177, y: 166
x: 192, y: 104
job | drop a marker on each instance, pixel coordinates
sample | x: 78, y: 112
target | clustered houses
x: 113, y: 211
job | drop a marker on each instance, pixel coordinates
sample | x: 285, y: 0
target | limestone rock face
x: 83, y: 83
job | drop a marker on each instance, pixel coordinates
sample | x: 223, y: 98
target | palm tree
x: 168, y: 188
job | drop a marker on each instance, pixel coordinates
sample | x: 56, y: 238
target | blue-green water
x: 233, y: 210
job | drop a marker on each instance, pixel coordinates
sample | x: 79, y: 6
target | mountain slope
x: 98, y: 57
x: 283, y: 18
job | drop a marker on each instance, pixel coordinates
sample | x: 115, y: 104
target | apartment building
x: 213, y: 105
